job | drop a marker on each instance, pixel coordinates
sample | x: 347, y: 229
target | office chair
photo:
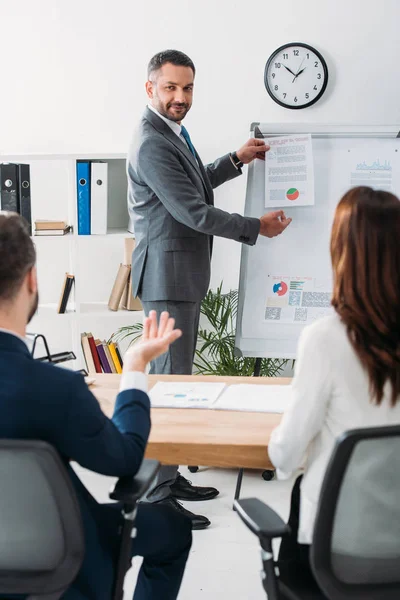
x: 41, y: 540
x: 355, y: 552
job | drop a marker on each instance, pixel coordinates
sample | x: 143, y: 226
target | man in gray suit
x: 171, y: 207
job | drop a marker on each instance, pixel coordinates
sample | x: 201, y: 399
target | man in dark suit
x: 171, y: 206
x: 42, y: 401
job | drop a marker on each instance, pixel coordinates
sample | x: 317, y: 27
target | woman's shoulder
x: 327, y: 330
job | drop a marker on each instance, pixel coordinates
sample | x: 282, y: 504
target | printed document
x: 289, y: 172
x: 255, y: 398
x: 218, y: 396
x: 185, y: 395
x: 296, y: 300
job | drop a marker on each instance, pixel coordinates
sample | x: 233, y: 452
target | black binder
x: 9, y: 187
x: 24, y: 193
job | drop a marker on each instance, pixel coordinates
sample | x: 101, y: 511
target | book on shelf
x: 65, y: 293
x: 129, y: 246
x: 118, y: 287
x: 95, y: 356
x: 102, y: 356
x: 90, y: 353
x: 128, y: 301
x: 43, y: 224
x: 53, y: 231
x: 113, y: 351
x: 119, y: 356
x: 109, y: 357
x: 87, y: 354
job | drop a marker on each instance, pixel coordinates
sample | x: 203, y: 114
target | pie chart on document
x: 280, y: 288
x: 292, y: 194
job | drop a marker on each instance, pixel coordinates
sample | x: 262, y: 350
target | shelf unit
x: 92, y: 259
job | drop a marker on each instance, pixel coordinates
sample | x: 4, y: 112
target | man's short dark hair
x: 175, y: 57
x: 17, y: 254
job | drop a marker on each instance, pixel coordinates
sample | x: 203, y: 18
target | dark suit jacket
x: 41, y: 401
x: 171, y: 207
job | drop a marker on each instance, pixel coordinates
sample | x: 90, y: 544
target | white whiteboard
x: 303, y: 249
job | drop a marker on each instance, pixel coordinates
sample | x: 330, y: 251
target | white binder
x: 99, y: 198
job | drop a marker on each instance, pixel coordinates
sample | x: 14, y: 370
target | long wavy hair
x: 365, y: 253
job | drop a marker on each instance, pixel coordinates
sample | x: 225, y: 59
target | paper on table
x: 185, y: 394
x: 255, y: 398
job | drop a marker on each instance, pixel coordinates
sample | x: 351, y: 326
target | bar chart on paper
x: 185, y: 395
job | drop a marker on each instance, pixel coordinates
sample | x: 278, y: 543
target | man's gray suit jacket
x: 172, y: 213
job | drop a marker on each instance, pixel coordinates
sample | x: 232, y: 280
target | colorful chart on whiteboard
x: 296, y: 299
x: 370, y: 169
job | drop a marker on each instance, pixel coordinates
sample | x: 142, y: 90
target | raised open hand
x: 155, y: 341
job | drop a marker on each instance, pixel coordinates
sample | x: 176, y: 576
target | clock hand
x: 298, y: 72
x: 287, y: 69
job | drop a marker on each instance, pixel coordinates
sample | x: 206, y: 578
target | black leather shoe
x: 182, y: 489
x: 198, y: 521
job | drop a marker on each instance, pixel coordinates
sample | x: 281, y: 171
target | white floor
x: 224, y: 561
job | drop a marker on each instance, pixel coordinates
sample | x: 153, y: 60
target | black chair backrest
x: 41, y: 534
x: 355, y: 554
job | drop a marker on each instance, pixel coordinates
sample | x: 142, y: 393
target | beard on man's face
x: 174, y: 111
x: 34, y: 307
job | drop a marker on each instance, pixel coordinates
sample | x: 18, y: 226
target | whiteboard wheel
x: 268, y: 475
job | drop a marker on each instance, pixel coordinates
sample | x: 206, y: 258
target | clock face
x: 296, y: 75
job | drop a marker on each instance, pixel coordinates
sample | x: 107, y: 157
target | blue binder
x: 83, y: 189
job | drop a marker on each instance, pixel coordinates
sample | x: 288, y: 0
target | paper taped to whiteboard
x: 289, y: 172
x: 296, y: 300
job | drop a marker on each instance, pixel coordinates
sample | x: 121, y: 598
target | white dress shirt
x: 133, y: 380
x: 176, y: 128
x: 330, y: 395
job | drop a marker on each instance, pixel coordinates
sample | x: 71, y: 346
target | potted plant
x: 215, y: 354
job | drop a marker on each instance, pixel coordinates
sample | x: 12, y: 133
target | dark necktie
x: 186, y: 136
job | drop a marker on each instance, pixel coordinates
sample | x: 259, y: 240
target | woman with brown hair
x: 347, y: 373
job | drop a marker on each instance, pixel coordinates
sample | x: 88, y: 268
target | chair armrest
x: 261, y: 519
x: 130, y: 489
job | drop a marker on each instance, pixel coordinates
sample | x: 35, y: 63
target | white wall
x: 73, y: 73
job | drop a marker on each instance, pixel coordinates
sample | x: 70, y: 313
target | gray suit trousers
x: 177, y: 361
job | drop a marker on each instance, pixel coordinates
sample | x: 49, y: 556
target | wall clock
x: 296, y: 75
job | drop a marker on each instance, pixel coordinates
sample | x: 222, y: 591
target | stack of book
x: 121, y: 294
x: 101, y: 357
x: 65, y: 292
x: 51, y: 227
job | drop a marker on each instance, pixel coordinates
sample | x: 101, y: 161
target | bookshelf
x: 92, y: 259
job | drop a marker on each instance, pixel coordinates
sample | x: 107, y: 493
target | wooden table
x: 199, y: 436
